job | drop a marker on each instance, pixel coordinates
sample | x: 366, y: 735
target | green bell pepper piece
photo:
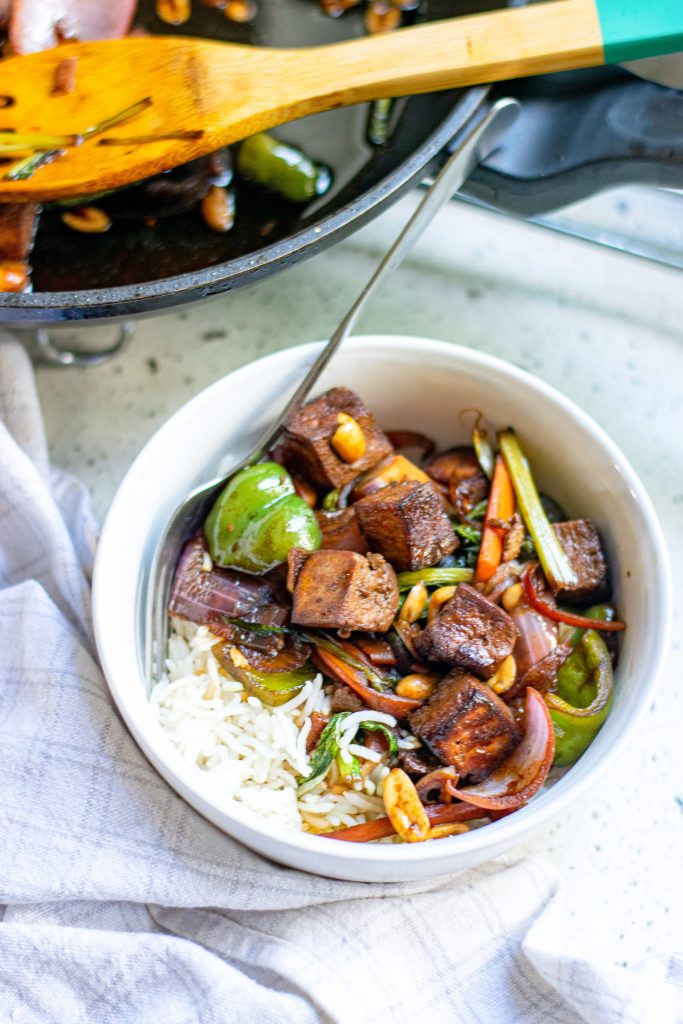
x: 272, y: 688
x: 604, y: 612
x: 583, y: 699
x: 257, y: 518
x: 276, y: 688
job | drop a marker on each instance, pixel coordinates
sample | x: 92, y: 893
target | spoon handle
x: 477, y: 140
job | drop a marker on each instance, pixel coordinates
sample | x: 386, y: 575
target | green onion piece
x: 324, y: 753
x: 388, y: 734
x: 26, y: 168
x: 123, y: 115
x: 479, y: 511
x: 480, y: 443
x: 379, y: 123
x: 374, y: 679
x: 88, y: 200
x: 468, y: 533
x: 434, y: 577
x: 32, y: 141
x: 552, y: 555
x: 16, y: 151
x: 256, y: 627
x: 348, y: 766
x: 330, y: 501
x: 136, y: 140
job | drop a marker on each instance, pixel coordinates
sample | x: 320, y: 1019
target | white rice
x: 252, y: 753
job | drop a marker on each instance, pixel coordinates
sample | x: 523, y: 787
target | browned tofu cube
x: 467, y: 725
x: 581, y: 541
x: 307, y: 448
x: 341, y: 531
x: 407, y: 524
x: 342, y: 590
x: 471, y: 632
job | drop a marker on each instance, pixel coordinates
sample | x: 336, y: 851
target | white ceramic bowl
x: 417, y: 384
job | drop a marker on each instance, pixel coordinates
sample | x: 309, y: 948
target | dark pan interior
x: 123, y: 271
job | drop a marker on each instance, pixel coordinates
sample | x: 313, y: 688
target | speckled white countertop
x: 607, y: 330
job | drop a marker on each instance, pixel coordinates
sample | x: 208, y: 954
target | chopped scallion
x: 552, y: 556
x: 434, y: 577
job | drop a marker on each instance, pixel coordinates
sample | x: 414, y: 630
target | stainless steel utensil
x: 479, y: 138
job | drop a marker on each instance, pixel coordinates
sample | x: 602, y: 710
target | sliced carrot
x: 501, y: 506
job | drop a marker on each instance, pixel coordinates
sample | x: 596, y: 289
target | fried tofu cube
x: 467, y: 725
x: 407, y: 524
x: 341, y: 531
x: 307, y: 444
x: 581, y: 541
x: 471, y: 632
x: 342, y: 590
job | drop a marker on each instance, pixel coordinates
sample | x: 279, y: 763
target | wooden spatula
x: 199, y: 96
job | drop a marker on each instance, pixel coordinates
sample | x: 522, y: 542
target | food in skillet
x: 370, y: 640
x: 211, y: 185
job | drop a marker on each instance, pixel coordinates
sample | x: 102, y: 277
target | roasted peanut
x: 451, y: 828
x: 414, y: 604
x: 348, y: 439
x: 13, y: 276
x: 88, y: 219
x: 511, y: 597
x: 437, y: 601
x: 240, y: 11
x: 174, y: 12
x: 505, y: 675
x: 218, y: 208
x: 404, y: 808
x: 381, y: 17
x: 419, y: 685
x: 238, y: 658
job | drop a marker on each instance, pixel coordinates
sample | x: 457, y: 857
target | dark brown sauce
x: 132, y: 252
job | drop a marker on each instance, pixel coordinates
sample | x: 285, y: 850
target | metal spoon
x: 479, y: 137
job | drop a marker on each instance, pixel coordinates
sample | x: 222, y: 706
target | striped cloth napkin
x: 122, y: 905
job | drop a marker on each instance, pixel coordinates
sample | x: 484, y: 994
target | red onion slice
x: 523, y: 773
x: 442, y: 781
x: 206, y: 597
x: 537, y: 637
x: 542, y: 675
x: 37, y: 25
x: 417, y: 445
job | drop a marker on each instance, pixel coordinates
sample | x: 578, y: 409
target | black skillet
x: 139, y: 269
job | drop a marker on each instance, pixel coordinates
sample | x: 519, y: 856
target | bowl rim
x: 183, y: 777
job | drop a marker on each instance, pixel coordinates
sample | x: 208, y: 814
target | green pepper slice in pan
x: 281, y: 168
x: 583, y: 699
x: 257, y: 518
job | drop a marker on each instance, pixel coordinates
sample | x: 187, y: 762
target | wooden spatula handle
x: 461, y: 51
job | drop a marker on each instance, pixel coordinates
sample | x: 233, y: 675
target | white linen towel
x: 121, y: 904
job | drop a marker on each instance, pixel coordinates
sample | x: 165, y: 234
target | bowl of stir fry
x: 412, y: 634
